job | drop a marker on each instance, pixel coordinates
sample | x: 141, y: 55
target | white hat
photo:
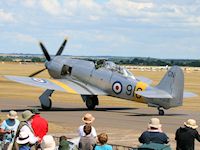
x: 48, y: 143
x: 12, y: 114
x: 191, y: 123
x: 88, y: 118
x: 155, y: 123
x: 23, y: 138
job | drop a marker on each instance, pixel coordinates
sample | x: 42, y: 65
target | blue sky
x: 144, y: 28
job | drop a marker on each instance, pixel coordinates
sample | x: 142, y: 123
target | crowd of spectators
x: 31, y: 132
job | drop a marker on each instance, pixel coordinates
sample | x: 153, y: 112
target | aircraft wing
x: 154, y: 93
x: 189, y: 94
x: 64, y: 85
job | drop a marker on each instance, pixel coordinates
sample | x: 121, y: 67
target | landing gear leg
x: 161, y: 111
x: 45, y: 99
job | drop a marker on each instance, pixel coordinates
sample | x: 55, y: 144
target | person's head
x: 102, y: 138
x: 23, y: 138
x: 191, y: 123
x: 48, y: 143
x: 27, y: 115
x: 154, y: 124
x: 62, y: 138
x: 88, y: 118
x: 35, y: 111
x: 87, y: 129
x: 12, y: 115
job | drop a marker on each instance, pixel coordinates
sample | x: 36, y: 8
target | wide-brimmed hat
x: 12, y: 114
x: 191, y: 123
x: 48, y: 143
x: 35, y: 111
x: 23, y: 138
x: 155, y: 123
x: 88, y: 118
x: 26, y: 115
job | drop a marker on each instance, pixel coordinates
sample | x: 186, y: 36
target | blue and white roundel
x: 39, y: 80
x: 117, y: 87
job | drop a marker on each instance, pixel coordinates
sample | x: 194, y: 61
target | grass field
x: 12, y: 90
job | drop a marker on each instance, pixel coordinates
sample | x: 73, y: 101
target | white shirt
x: 82, y: 133
x: 32, y: 138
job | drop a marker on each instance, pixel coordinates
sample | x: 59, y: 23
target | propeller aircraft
x: 90, y: 79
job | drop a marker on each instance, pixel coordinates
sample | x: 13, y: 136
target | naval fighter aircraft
x: 90, y: 79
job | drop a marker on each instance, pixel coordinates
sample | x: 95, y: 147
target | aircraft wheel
x: 44, y: 107
x: 90, y: 103
x: 161, y: 112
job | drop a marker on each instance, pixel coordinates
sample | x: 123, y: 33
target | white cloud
x: 127, y: 7
x: 29, y: 3
x: 51, y: 6
x: 6, y: 16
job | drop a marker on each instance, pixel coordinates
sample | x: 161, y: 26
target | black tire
x: 47, y: 107
x: 161, y: 112
x: 90, y: 103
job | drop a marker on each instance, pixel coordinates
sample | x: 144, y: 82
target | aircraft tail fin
x: 173, y: 83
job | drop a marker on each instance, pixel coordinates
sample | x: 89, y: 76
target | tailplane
x: 173, y: 83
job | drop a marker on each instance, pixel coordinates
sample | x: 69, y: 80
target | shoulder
x: 145, y: 133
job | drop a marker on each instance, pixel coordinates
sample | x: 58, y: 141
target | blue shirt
x: 9, y: 125
x: 103, y: 147
x: 24, y: 147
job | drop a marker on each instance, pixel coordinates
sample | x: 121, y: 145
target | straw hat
x: 26, y: 115
x: 12, y: 114
x: 88, y: 118
x: 48, y: 143
x: 155, y: 123
x: 23, y: 138
x: 191, y: 123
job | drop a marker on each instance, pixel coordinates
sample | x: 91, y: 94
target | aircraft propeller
x: 48, y: 57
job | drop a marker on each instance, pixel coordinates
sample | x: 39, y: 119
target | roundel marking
x: 117, y: 87
x: 38, y: 80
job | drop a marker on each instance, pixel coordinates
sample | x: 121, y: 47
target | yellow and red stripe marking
x: 140, y: 86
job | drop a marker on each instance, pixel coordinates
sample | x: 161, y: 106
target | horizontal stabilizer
x: 64, y: 85
x: 154, y: 93
x: 189, y: 94
x: 144, y: 79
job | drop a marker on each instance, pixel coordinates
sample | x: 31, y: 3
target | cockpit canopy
x: 114, y: 67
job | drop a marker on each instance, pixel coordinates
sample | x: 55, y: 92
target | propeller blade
x: 46, y: 54
x: 35, y: 73
x: 61, y: 48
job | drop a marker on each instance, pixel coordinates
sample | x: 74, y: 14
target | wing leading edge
x: 63, y: 85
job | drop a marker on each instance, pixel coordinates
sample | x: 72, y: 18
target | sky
x: 137, y: 28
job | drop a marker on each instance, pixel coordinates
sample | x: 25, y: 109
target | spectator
x: 87, y: 119
x: 48, y: 143
x: 87, y: 142
x: 39, y: 124
x: 9, y: 128
x: 154, y: 133
x: 23, y: 141
x: 1, y: 136
x: 63, y: 143
x: 25, y: 126
x: 102, y: 140
x: 186, y: 135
